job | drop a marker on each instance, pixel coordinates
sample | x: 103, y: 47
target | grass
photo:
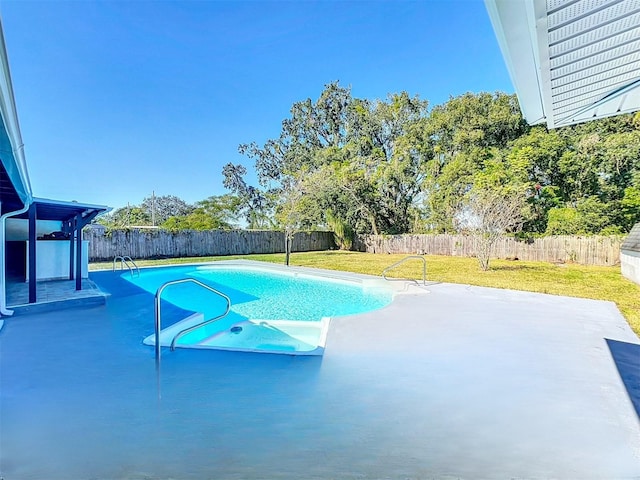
x: 599, y: 283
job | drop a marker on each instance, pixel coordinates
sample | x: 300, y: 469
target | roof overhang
x: 47, y: 209
x: 570, y: 61
x: 15, y: 187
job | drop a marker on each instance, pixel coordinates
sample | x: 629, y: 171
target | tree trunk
x: 287, y: 246
x: 374, y: 227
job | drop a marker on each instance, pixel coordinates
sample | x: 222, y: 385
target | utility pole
x: 153, y: 208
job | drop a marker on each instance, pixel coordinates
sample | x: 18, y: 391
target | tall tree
x: 160, y: 208
x: 463, y: 133
x: 370, y: 151
x: 392, y: 166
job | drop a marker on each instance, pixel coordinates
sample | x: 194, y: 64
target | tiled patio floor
x: 51, y: 291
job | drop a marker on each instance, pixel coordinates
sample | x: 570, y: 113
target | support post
x: 78, y: 229
x: 32, y: 253
x: 71, y: 231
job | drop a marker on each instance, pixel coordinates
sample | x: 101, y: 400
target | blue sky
x: 119, y: 99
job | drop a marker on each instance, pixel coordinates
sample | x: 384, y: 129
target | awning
x: 570, y: 61
x: 64, y: 211
x: 74, y: 216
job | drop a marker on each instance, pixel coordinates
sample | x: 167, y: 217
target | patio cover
x: 570, y: 61
x: 74, y: 217
x: 65, y: 211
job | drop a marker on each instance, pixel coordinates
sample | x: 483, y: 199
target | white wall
x: 630, y: 265
x: 52, y: 260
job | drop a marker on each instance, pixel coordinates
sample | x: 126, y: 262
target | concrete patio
x: 52, y: 295
x: 462, y: 382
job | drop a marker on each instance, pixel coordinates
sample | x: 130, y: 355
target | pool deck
x: 458, y: 383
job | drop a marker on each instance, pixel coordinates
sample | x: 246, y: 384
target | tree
x: 299, y: 208
x: 475, y: 121
x: 620, y: 159
x: 125, y: 217
x: 252, y: 203
x: 342, y: 232
x: 215, y: 212
x: 371, y: 151
x: 595, y: 214
x: 630, y: 208
x: 538, y: 153
x: 223, y: 209
x: 161, y: 208
x: 387, y: 156
x: 199, y: 219
x: 464, y: 133
x: 590, y: 216
x: 563, y: 221
x: 487, y: 215
x: 290, y: 214
x: 392, y: 166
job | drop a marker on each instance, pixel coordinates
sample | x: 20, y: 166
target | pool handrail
x: 128, y: 261
x: 158, y: 319
x: 424, y: 267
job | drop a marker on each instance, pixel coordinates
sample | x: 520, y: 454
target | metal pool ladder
x: 158, y: 319
x: 424, y: 267
x: 128, y: 261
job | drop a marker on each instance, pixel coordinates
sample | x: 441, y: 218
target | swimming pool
x: 273, y: 309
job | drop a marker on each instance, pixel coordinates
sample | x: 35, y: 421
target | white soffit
x: 570, y: 60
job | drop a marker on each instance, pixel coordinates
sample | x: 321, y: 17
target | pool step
x: 272, y: 336
x: 290, y: 337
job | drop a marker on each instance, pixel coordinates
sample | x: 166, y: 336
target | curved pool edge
x: 397, y: 286
x: 316, y: 334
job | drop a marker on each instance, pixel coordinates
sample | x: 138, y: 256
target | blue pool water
x: 270, y: 298
x: 261, y: 294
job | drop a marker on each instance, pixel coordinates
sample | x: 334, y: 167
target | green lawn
x: 600, y: 283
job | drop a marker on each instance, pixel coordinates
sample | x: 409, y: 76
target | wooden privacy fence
x: 161, y: 243
x: 591, y: 250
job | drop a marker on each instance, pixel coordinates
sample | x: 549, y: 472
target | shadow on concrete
x: 113, y: 283
x: 627, y: 359
x: 135, y: 298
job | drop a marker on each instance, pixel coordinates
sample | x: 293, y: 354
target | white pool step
x: 274, y: 336
x: 290, y: 337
